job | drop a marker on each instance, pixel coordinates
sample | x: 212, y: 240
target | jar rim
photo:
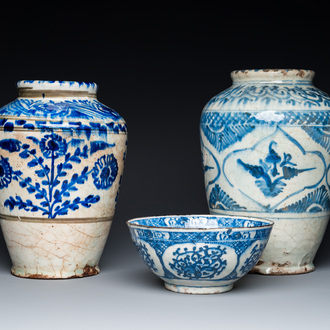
x: 63, y: 85
x: 272, y: 74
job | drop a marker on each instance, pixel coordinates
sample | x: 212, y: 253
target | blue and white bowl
x: 200, y: 254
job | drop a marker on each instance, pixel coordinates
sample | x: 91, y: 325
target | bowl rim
x: 268, y: 223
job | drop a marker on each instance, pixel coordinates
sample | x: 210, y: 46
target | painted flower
x: 5, y: 173
x: 53, y: 146
x: 105, y: 171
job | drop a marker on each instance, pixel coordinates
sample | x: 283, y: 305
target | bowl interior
x: 199, y: 222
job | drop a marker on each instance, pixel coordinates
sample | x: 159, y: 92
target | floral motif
x: 142, y: 249
x: 192, y: 257
x: 253, y: 258
x: 206, y: 262
x: 105, y: 171
x: 54, y: 188
x: 53, y: 146
x: 5, y: 173
x: 269, y: 180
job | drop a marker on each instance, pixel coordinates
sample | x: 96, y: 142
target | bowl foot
x: 198, y: 289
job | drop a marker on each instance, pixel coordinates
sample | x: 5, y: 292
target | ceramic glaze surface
x: 61, y: 163
x: 265, y: 149
x: 200, y: 254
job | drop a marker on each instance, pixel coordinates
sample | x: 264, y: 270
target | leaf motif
x: 67, y: 166
x: 77, y: 152
x: 18, y: 173
x: 74, y: 177
x: 73, y: 207
x: 31, y: 190
x: 220, y: 200
x: 34, y: 139
x: 255, y: 170
x: 33, y: 163
x: 62, y: 212
x: 100, y: 145
x: 24, y: 154
x: 316, y: 201
x: 10, y: 145
x: 56, y: 183
x: 272, y: 189
x: 23, y: 184
x: 220, y: 134
x: 10, y: 203
x: 64, y: 185
x: 84, y: 152
x: 41, y: 173
x: 75, y: 159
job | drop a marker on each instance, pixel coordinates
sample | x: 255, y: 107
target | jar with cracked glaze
x: 61, y: 163
x: 265, y: 149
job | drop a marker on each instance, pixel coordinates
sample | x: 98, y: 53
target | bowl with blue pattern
x: 200, y: 254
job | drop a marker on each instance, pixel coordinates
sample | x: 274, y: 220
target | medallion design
x: 271, y: 173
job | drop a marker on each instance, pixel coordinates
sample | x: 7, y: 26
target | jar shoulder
x: 269, y: 97
x: 65, y: 109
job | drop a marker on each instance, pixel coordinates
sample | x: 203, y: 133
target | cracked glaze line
x: 54, y: 250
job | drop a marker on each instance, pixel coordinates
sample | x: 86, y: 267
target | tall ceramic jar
x: 61, y: 163
x: 265, y: 148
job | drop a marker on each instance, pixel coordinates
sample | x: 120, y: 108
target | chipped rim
x: 89, y: 87
x: 272, y: 74
x: 267, y: 223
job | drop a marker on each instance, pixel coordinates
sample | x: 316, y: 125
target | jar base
x: 86, y: 271
x: 282, y: 269
x: 198, y: 290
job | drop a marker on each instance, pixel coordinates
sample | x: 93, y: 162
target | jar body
x: 265, y: 150
x: 61, y: 163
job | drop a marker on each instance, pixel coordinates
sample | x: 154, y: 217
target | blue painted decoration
x: 222, y: 129
x: 265, y: 146
x: 64, y: 115
x: 200, y: 250
x: 62, y: 156
x: 53, y: 164
x: 297, y: 94
x: 204, y: 262
x: 269, y: 180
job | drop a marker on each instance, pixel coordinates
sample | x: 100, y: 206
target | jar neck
x: 56, y: 89
x: 273, y: 76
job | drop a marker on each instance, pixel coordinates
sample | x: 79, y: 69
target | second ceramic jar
x: 265, y: 148
x: 61, y: 163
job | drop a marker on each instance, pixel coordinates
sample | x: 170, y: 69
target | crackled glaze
x: 266, y: 153
x: 61, y: 163
x: 200, y: 254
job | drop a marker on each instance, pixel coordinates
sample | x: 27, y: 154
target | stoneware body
x: 200, y: 254
x: 265, y: 148
x: 61, y: 163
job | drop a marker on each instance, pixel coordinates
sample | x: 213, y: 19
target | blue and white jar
x: 61, y: 163
x: 265, y: 148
